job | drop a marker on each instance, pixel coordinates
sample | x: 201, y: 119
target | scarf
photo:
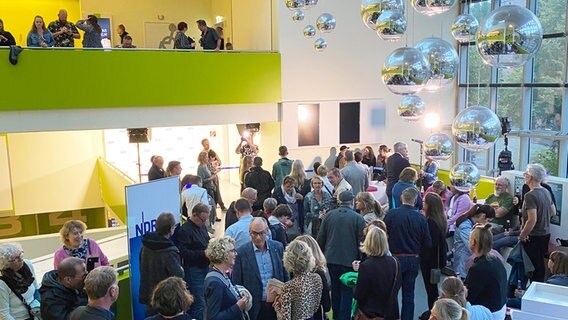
x: 80, y: 252
x: 290, y: 199
x: 19, y: 281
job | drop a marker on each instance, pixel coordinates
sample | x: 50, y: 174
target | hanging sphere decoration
x: 405, y: 71
x: 421, y: 7
x: 509, y: 37
x: 310, y: 4
x: 298, y: 15
x: 443, y: 60
x: 295, y: 4
x: 464, y: 176
x: 372, y: 9
x: 476, y: 128
x: 325, y: 23
x: 309, y: 31
x: 439, y: 146
x: 439, y: 6
x: 320, y: 44
x: 411, y: 108
x: 391, y: 25
x: 464, y: 28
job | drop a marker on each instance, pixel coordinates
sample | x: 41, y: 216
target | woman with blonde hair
x: 207, y: 177
x: 302, y: 186
x: 76, y: 245
x: 321, y: 270
x: 39, y: 36
x: 379, y: 279
x: 299, y: 298
x: 171, y: 300
x: 453, y: 288
x: 487, y: 279
x: 173, y: 169
x: 316, y: 203
x: 367, y: 205
x: 245, y: 166
x: 448, y: 309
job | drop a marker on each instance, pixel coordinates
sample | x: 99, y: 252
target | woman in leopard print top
x: 300, y: 297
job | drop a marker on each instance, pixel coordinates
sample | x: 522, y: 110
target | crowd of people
x: 296, y: 247
x: 63, y: 33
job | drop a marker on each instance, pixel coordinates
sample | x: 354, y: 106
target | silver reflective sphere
x: 476, y: 128
x: 464, y: 28
x: 309, y: 31
x: 391, y: 25
x: 320, y: 44
x: 405, y: 71
x: 439, y: 6
x: 295, y: 4
x: 325, y: 23
x: 421, y: 7
x: 443, y: 60
x: 509, y: 37
x: 411, y: 108
x: 372, y: 9
x: 310, y: 4
x: 298, y: 15
x: 464, y: 176
x: 439, y: 146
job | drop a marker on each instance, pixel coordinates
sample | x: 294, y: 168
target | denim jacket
x: 461, y: 246
x: 34, y: 39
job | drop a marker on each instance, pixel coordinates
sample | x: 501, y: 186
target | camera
x: 505, y: 159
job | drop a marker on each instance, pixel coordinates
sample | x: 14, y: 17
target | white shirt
x: 11, y: 308
x: 193, y: 196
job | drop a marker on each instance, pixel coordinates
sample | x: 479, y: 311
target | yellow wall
x: 252, y: 24
x: 5, y: 181
x: 134, y: 13
x: 55, y: 171
x: 224, y: 9
x: 18, y: 15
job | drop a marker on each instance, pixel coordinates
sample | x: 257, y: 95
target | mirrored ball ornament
x: 464, y: 176
x: 443, y: 60
x: 405, y: 71
x: 439, y: 146
x: 372, y: 9
x: 325, y: 23
x: 476, y: 128
x: 464, y: 28
x: 391, y: 25
x: 298, y: 15
x: 421, y: 7
x: 320, y: 44
x: 411, y: 108
x: 295, y: 4
x: 309, y: 31
x: 439, y: 6
x: 310, y: 4
x: 509, y: 37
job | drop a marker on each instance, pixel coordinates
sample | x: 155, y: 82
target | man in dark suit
x: 261, y: 181
x: 408, y: 234
x: 395, y: 164
x: 257, y: 262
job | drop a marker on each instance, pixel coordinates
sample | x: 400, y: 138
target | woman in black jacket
x: 6, y: 38
x: 434, y: 257
x: 379, y: 278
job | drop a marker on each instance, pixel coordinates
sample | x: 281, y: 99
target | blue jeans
x: 341, y: 296
x: 195, y: 278
x: 500, y: 240
x: 409, y: 268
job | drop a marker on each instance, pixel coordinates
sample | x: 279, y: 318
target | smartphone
x: 91, y: 263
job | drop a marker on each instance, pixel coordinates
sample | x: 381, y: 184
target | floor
x: 230, y: 192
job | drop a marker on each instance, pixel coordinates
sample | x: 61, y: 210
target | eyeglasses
x: 19, y: 258
x: 258, y: 234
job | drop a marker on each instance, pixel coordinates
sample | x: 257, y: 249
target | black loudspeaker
x: 139, y: 135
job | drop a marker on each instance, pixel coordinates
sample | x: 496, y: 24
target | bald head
x: 62, y: 15
x: 258, y: 231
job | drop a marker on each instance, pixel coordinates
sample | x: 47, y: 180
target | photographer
x: 247, y: 147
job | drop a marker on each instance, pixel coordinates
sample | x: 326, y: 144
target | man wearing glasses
x: 258, y: 261
x: 101, y: 286
x: 502, y: 202
x: 62, y: 289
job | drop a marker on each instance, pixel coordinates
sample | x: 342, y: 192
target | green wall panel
x: 71, y: 79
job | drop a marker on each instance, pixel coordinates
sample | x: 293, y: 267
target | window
x: 533, y: 96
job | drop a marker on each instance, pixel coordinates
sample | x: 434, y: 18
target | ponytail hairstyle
x: 476, y: 210
x: 448, y: 309
x: 482, y: 239
x: 453, y: 288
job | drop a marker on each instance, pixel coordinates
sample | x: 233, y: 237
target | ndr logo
x: 145, y: 226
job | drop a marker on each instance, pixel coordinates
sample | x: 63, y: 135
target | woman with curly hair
x: 171, y: 300
x: 222, y: 299
x: 299, y: 298
x: 76, y: 245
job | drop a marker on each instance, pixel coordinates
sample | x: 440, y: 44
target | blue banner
x: 144, y: 203
x: 106, y: 32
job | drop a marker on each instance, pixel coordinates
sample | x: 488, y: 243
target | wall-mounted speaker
x: 139, y: 135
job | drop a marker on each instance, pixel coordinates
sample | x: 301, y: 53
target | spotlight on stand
x: 505, y: 160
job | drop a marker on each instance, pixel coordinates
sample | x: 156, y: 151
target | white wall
x: 349, y: 69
